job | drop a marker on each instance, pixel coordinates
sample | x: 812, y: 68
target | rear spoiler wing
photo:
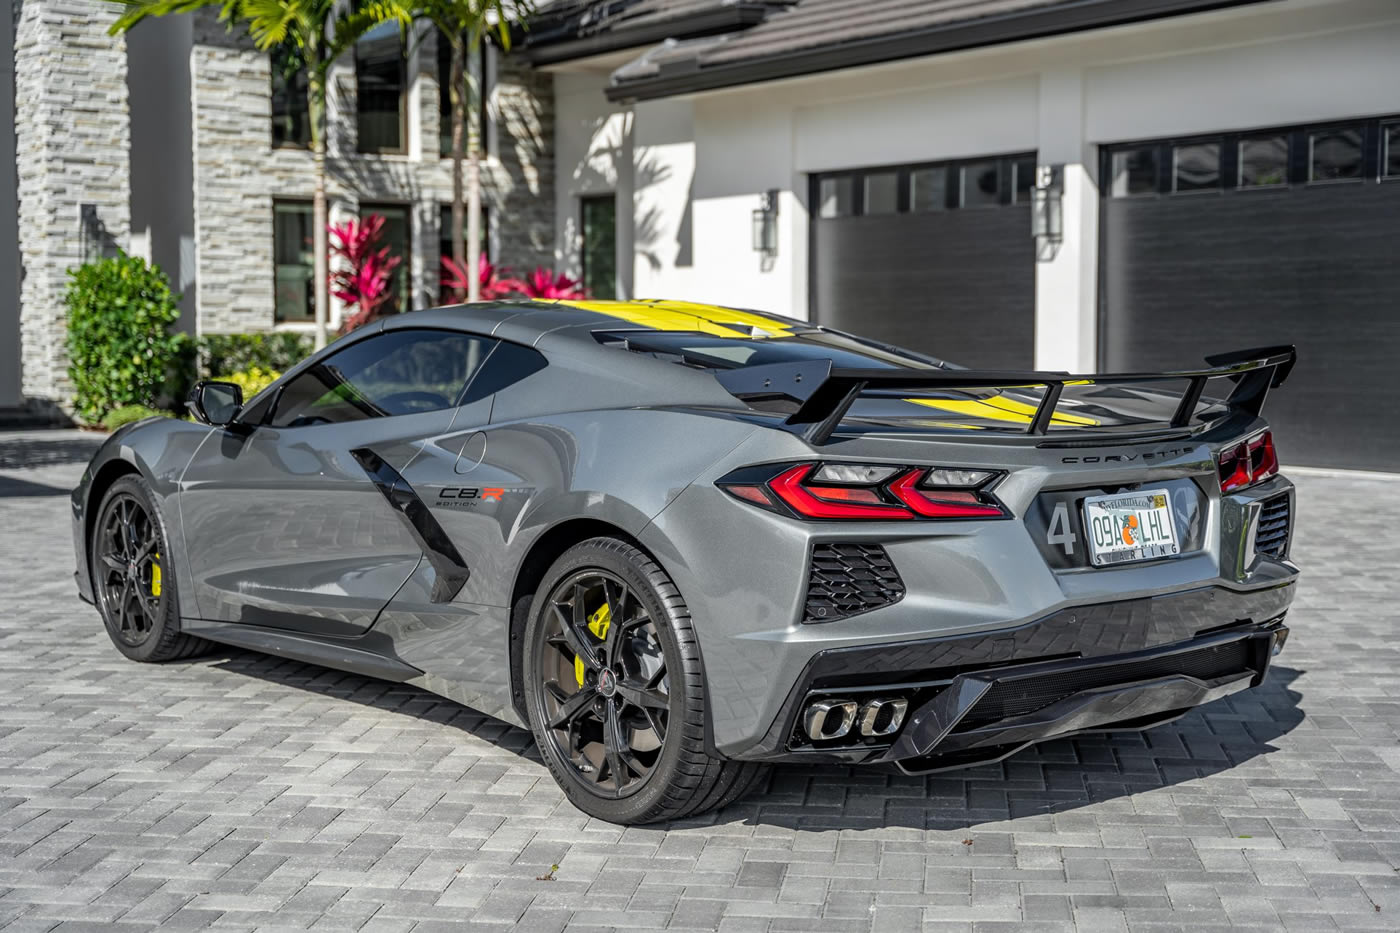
x: 825, y: 393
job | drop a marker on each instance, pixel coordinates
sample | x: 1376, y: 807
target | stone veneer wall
x: 238, y: 173
x: 73, y: 144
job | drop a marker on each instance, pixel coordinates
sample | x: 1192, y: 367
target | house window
x: 293, y: 291
x: 599, y: 225
x: 1390, y: 158
x: 1134, y: 171
x: 1196, y: 167
x: 291, y: 120
x: 881, y: 193
x: 381, y: 77
x: 1335, y: 154
x: 837, y: 196
x: 398, y: 237
x: 1263, y: 161
x: 484, y: 84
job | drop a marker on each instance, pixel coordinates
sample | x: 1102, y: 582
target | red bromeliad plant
x: 365, y: 280
x: 495, y: 281
x: 543, y: 283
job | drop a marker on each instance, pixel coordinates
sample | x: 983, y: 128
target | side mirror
x: 215, y: 403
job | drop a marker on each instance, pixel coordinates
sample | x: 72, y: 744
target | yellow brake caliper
x: 598, y: 625
x: 155, y: 576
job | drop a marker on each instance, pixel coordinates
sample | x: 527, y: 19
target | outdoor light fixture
x: 1047, y: 209
x: 765, y: 224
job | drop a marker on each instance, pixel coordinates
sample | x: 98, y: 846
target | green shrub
x: 251, y: 381
x: 129, y: 413
x: 120, y: 348
x: 235, y: 353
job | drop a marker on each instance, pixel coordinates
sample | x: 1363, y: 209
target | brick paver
x: 243, y: 792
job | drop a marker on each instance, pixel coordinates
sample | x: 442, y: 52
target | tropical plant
x: 463, y: 24
x: 120, y: 348
x: 365, y: 279
x: 544, y: 283
x: 318, y: 31
x: 492, y: 281
x: 252, y: 380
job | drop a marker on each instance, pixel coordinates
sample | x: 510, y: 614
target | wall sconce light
x: 765, y: 224
x: 1047, y: 206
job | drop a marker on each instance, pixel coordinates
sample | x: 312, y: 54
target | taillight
x: 1247, y: 462
x: 858, y: 492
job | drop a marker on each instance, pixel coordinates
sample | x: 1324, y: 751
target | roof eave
x: 1011, y: 27
x: 702, y: 23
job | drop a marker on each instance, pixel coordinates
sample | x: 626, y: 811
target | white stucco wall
x: 1294, y: 61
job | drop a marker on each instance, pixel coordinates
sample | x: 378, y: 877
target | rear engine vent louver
x: 1275, y: 525
x: 847, y: 579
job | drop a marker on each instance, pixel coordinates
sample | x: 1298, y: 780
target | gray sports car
x: 679, y: 542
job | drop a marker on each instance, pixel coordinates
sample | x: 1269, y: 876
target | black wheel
x: 615, y: 689
x: 132, y: 577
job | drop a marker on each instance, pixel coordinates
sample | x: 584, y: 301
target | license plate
x: 1130, y: 526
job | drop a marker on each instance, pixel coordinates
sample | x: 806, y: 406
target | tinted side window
x: 402, y: 372
x: 507, y: 365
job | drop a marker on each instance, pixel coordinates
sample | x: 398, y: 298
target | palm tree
x: 319, y: 31
x: 463, y: 24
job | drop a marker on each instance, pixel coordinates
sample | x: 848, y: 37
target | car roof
x: 527, y: 321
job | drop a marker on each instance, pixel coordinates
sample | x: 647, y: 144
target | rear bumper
x: 973, y: 699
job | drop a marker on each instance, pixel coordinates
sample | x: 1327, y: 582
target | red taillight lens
x: 939, y: 503
x: 1248, y: 463
x: 805, y: 502
x: 886, y: 494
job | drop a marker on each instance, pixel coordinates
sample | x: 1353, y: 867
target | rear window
x: 708, y: 351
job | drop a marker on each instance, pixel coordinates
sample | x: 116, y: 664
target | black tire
x: 149, y: 627
x: 681, y: 778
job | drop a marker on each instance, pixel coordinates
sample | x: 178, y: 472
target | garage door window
x: 1263, y: 162
x: 882, y: 193
x: 1196, y: 167
x: 1335, y: 155
x: 928, y: 188
x: 1134, y: 171
x: 838, y: 196
x: 1258, y: 159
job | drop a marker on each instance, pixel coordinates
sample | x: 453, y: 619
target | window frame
x: 1298, y: 165
x: 486, y: 81
x: 272, y: 118
x: 311, y: 317
x: 583, y: 202
x: 404, y: 82
x: 376, y: 207
x: 952, y: 170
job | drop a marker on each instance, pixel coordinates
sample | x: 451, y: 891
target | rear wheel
x: 615, y: 689
x: 132, y: 578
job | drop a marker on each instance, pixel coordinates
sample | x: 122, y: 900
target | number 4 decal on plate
x: 1060, y: 532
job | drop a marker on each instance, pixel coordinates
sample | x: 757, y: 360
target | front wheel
x: 615, y: 690
x: 132, y: 576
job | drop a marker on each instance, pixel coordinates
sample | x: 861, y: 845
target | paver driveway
x: 242, y: 791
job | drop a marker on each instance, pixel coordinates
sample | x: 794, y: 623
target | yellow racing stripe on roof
x: 688, y: 316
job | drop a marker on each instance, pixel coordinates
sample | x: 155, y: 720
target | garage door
x: 936, y: 257
x: 1246, y: 239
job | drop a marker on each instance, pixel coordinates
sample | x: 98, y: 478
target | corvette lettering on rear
x: 1130, y: 458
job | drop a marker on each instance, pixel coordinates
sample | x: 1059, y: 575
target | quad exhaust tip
x: 826, y: 720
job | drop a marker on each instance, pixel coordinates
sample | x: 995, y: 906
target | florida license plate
x: 1130, y: 526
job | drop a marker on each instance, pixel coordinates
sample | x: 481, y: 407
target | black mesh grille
x: 1019, y: 697
x: 846, y: 579
x: 1275, y: 523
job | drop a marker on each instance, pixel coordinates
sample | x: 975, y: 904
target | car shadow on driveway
x: 1053, y: 777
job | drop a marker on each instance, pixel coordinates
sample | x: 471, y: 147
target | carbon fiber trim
x: 452, y: 572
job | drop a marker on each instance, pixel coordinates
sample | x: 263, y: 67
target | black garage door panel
x: 1318, y: 267
x: 957, y: 284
